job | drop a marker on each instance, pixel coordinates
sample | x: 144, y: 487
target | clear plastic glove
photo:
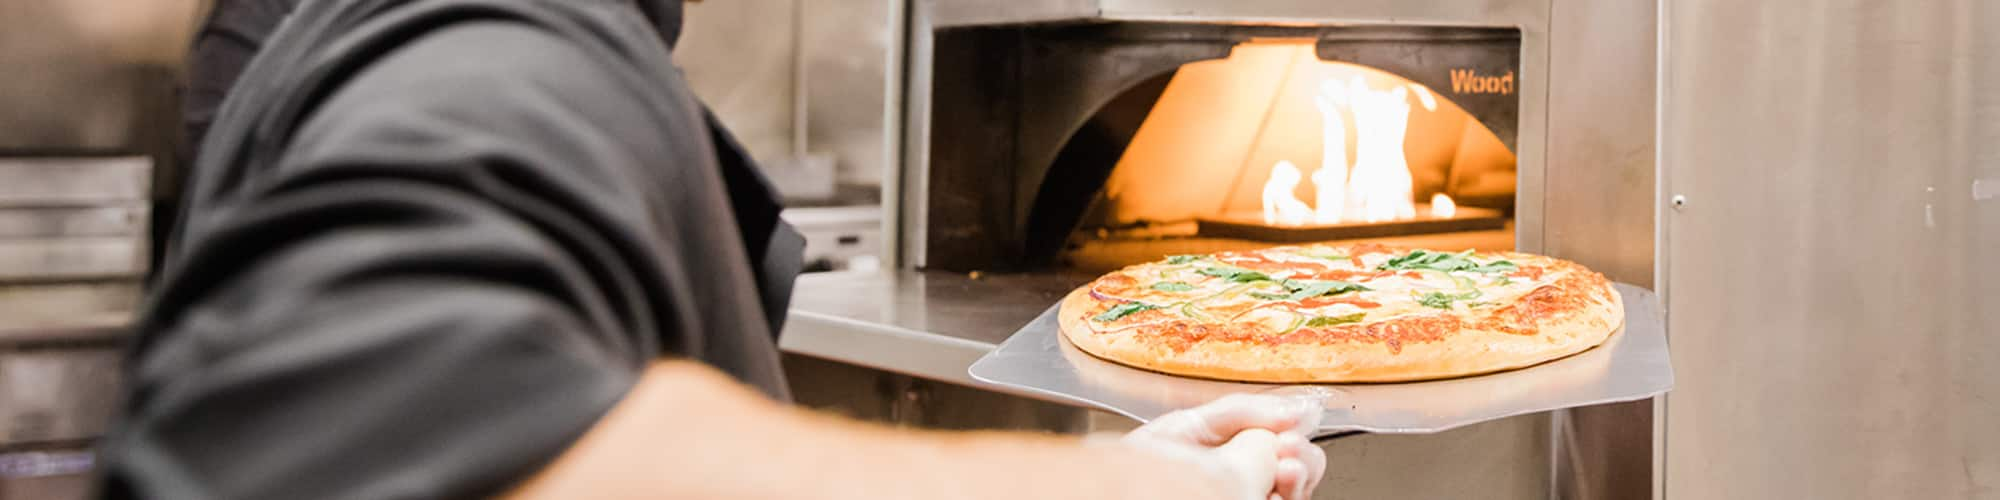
x: 1256, y: 443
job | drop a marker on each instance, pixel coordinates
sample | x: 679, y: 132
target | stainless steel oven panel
x: 1833, y: 296
x: 1598, y: 208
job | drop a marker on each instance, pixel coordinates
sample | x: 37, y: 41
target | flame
x: 1377, y: 188
x: 1442, y: 207
x: 1330, y: 181
x: 1424, y: 96
x: 1280, y: 207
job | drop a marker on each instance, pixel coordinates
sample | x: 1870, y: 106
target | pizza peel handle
x: 1632, y: 364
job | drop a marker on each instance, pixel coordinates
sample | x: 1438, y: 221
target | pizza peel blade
x: 1632, y: 364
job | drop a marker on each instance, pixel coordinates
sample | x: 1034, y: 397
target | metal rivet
x: 1680, y: 201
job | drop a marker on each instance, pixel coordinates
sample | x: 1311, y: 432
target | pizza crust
x: 1469, y: 351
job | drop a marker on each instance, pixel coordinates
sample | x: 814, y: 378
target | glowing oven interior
x: 1275, y: 145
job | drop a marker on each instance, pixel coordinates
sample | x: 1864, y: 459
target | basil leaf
x: 1234, y: 274
x: 1498, y: 266
x: 1443, y: 300
x: 1402, y: 261
x: 1172, y: 286
x: 1301, y: 290
x: 1326, y: 256
x: 1434, y: 299
x: 1336, y: 320
x: 1123, y: 310
x: 1183, y: 259
x: 1312, y: 290
x: 1337, y: 287
x: 1447, y: 262
x: 1423, y: 259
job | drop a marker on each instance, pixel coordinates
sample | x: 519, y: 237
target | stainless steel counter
x: 925, y: 324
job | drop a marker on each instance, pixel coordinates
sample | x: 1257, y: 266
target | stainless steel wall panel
x: 1599, y: 207
x: 740, y: 57
x: 1599, y: 191
x: 953, y: 13
x: 848, y: 49
x: 1831, y: 281
x: 792, y: 77
x: 1493, y: 460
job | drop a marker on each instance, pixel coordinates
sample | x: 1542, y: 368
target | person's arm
x: 743, y: 446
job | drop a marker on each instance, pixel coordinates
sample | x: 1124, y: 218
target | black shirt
x: 425, y: 245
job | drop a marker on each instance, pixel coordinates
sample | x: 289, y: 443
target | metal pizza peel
x: 1630, y: 365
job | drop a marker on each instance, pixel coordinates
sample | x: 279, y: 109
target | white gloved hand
x: 1255, y: 443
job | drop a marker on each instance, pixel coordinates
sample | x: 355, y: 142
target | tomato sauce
x: 1257, y: 262
x: 1529, y: 272
x: 1368, y: 249
x: 1324, y: 301
x: 1340, y: 274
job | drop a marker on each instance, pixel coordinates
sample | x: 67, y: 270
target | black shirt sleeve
x: 441, y: 285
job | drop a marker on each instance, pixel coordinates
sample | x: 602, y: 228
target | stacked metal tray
x: 1632, y: 364
x: 74, y: 235
x: 73, y: 244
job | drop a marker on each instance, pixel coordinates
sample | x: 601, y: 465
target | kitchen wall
x: 791, y: 77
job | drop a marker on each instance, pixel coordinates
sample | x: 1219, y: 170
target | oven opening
x: 1274, y: 145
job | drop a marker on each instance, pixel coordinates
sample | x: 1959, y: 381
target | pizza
x: 1341, y: 313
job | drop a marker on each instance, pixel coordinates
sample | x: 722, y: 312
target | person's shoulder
x: 469, y: 57
x: 507, y: 79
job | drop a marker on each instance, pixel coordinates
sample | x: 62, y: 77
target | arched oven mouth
x: 1093, y: 146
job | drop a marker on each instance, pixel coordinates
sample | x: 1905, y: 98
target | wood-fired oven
x: 1044, y: 141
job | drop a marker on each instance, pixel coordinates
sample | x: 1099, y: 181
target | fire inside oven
x: 1274, y: 145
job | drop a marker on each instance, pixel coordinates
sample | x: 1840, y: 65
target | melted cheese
x: 1214, y: 298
